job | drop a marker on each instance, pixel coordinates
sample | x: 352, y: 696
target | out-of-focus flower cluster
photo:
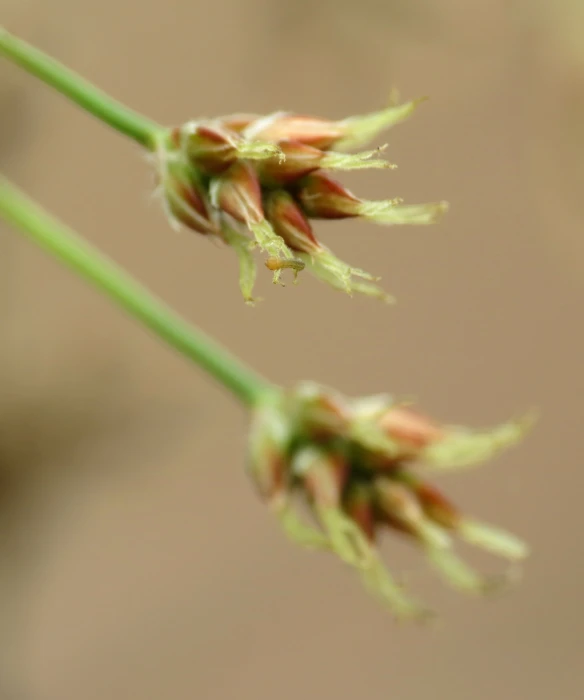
x: 352, y: 463
x: 254, y: 181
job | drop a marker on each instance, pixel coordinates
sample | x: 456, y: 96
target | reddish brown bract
x: 410, y: 428
x: 238, y: 193
x: 312, y: 131
x: 290, y: 223
x: 324, y: 198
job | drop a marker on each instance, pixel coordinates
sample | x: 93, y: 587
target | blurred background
x: 135, y: 559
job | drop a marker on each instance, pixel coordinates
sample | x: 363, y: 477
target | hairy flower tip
x: 184, y: 198
x: 289, y: 222
x: 349, y: 461
x: 461, y: 447
x: 237, y: 192
x: 360, y: 130
x: 263, y: 178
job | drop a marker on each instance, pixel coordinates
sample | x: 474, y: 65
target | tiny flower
x: 290, y: 223
x: 185, y: 198
x: 323, y: 133
x: 351, y: 463
x: 237, y: 192
x: 322, y: 197
x: 298, y: 160
x: 263, y: 177
x: 212, y: 147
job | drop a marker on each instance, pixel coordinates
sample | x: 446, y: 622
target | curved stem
x: 64, y: 244
x: 80, y: 91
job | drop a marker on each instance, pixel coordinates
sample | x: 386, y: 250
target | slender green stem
x: 80, y: 91
x: 20, y: 211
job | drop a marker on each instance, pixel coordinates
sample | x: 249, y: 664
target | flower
x: 256, y: 182
x: 352, y: 462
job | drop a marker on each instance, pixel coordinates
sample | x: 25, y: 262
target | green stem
x: 80, y: 91
x: 20, y: 211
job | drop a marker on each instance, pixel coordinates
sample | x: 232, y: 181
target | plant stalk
x: 65, y: 245
x: 113, y: 113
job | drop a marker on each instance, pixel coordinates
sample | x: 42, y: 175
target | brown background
x: 135, y: 560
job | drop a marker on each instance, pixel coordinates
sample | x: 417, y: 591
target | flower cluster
x: 350, y: 462
x: 254, y: 181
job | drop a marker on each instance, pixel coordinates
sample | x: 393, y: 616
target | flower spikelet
x: 358, y: 465
x: 257, y: 182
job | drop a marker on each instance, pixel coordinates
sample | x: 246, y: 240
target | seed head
x: 352, y: 462
x: 264, y: 178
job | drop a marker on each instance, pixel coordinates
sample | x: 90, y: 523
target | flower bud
x: 322, y: 474
x: 400, y: 508
x: 298, y: 160
x: 322, y: 197
x: 321, y: 413
x: 436, y: 506
x: 185, y: 200
x: 282, y: 126
x: 325, y: 133
x: 411, y: 429
x: 238, y: 192
x: 479, y: 534
x: 269, y: 439
x: 211, y: 147
x: 289, y: 222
